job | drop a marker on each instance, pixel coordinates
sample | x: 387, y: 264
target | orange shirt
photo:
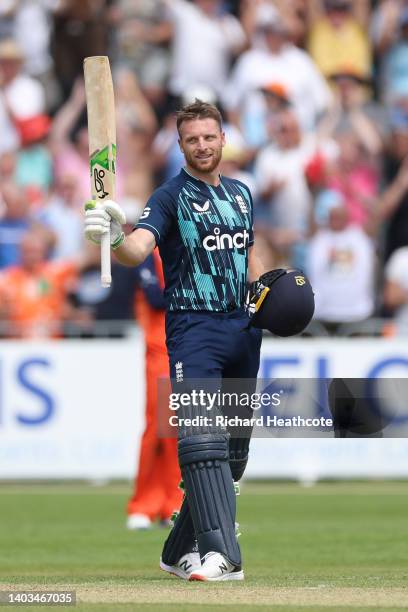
x: 152, y: 320
x: 34, y: 301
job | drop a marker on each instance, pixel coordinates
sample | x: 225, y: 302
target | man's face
x: 201, y: 142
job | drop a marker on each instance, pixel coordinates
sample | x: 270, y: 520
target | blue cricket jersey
x: 203, y: 234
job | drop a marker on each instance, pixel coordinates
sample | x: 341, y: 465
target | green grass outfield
x: 336, y: 546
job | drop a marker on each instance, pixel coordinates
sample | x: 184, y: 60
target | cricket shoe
x: 215, y: 567
x: 183, y: 568
x: 138, y: 521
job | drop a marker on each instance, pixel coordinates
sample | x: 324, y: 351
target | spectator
x: 354, y: 176
x: 284, y: 212
x: 266, y: 105
x: 80, y: 29
x: 295, y: 14
x: 393, y: 203
x: 32, y: 33
x: 94, y: 305
x: 33, y: 293
x: 16, y: 219
x: 341, y: 264
x: 34, y: 169
x: 352, y: 111
x: 394, y: 65
x: 62, y: 216
x: 385, y: 24
x: 141, y: 37
x: 9, y: 140
x: 202, y: 25
x: 136, y: 126
x: 233, y: 166
x: 7, y: 14
x: 69, y: 143
x: 336, y: 37
x: 25, y: 96
x: 274, y: 58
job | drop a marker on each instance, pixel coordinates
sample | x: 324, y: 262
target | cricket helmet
x: 288, y: 306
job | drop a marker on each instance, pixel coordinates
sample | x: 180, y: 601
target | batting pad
x: 210, y: 493
x: 181, y: 538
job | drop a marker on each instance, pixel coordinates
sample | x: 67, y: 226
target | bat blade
x: 100, y: 105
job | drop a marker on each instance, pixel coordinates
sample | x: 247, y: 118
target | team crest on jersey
x: 202, y: 209
x: 179, y: 371
x: 242, y: 204
x: 300, y: 280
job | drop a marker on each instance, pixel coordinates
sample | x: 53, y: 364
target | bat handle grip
x: 106, y: 277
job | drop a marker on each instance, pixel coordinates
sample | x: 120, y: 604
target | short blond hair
x: 198, y: 110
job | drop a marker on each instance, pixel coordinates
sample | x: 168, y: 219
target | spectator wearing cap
x: 205, y: 41
x: 273, y: 57
x: 393, y: 203
x: 257, y: 124
x: 341, y: 262
x: 336, y: 37
x: 352, y: 111
x: 23, y: 97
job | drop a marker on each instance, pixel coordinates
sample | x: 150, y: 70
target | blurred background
x: 314, y: 95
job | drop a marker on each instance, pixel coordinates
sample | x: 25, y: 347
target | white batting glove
x: 100, y: 217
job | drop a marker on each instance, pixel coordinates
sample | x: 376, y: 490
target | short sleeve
x: 158, y: 215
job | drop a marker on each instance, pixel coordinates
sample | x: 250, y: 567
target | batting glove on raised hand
x: 100, y: 217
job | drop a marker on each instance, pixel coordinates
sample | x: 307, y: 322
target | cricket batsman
x: 202, y: 225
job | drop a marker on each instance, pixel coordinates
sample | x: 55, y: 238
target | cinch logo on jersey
x: 218, y: 241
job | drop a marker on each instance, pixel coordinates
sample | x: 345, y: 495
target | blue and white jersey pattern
x: 203, y: 233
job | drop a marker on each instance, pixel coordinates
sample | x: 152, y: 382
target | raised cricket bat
x: 100, y: 105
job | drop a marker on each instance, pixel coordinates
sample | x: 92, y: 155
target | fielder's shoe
x: 183, y: 568
x: 216, y: 567
x: 138, y: 521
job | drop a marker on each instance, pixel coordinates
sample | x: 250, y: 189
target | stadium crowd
x: 314, y: 95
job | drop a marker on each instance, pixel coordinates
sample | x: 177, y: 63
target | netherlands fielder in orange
x: 156, y: 493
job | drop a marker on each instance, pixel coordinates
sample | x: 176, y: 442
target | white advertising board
x: 74, y: 409
x: 71, y: 409
x: 310, y: 459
